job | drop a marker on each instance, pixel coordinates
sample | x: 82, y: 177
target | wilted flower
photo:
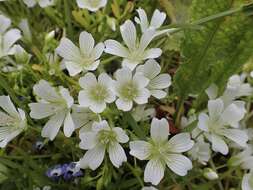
x: 136, y: 50
x: 161, y: 152
x: 142, y: 113
x: 54, y: 104
x: 102, y: 138
x: 217, y: 124
x: 84, y: 59
x: 130, y: 88
x: 157, y: 82
x: 91, y: 5
x: 96, y: 92
x: 12, y: 121
x: 7, y: 37
x: 55, y: 172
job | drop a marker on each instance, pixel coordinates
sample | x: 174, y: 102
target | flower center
x: 129, y: 90
x: 98, y: 93
x: 106, y: 136
x: 159, y: 150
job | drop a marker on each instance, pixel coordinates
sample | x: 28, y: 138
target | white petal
x: 123, y: 75
x: 68, y: 50
x: 7, y: 105
x: 42, y: 110
x: 151, y: 69
x: 124, y: 105
x: 219, y: 145
x: 159, y: 129
x: 73, y: 68
x: 146, y: 38
x: 130, y: 64
x: 140, y: 80
x: 88, y: 140
x: 105, y: 80
x: 142, y: 97
x: 160, y: 82
x: 246, y: 185
x: 154, y: 172
x: 93, y: 158
x: 215, y: 107
x: 93, y: 66
x: 69, y: 125
x: 52, y: 127
x: 121, y: 135
x: 152, y: 53
x: 180, y: 143
x: 86, y: 42
x: 140, y: 149
x: 159, y: 94
x: 101, y: 125
x: 203, y: 122
x: 46, y: 3
x: 98, y: 50
x: 236, y: 135
x: 97, y: 107
x: 212, y: 91
x: 88, y: 80
x: 66, y: 96
x: 157, y: 19
x: 179, y: 164
x: 143, y: 21
x: 128, y: 32
x: 84, y: 99
x: 45, y: 91
x: 117, y: 154
x: 9, y: 38
x: 4, y: 23
x: 115, y: 48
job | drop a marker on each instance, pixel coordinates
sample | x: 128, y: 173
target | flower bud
x: 210, y: 174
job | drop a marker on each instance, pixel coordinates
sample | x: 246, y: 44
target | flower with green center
x: 12, y: 121
x: 56, y: 104
x: 84, y: 59
x: 130, y: 88
x: 218, y: 123
x: 100, y: 139
x: 7, y: 37
x: 91, y: 5
x: 96, y: 92
x: 136, y: 50
x: 161, y: 152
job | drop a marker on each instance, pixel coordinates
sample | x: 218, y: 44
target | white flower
x: 247, y: 181
x: 161, y: 152
x: 217, y: 124
x: 157, y: 82
x: 140, y: 113
x: 236, y: 87
x: 84, y: 59
x: 136, y: 50
x: 210, y: 174
x: 91, y: 5
x: 102, y: 138
x: 156, y: 22
x: 7, y: 37
x: 55, y: 104
x: 42, y: 3
x: 12, y: 121
x: 130, y: 88
x: 96, y: 92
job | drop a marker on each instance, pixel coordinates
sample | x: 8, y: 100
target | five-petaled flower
x: 161, y: 152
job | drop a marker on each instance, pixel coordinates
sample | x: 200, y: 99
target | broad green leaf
x: 216, y: 51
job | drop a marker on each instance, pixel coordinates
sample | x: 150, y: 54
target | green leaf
x: 218, y: 50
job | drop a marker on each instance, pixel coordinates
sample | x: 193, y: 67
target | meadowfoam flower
x: 217, y: 124
x: 102, y: 138
x: 96, y: 92
x: 91, y: 5
x: 130, y: 88
x: 136, y: 50
x: 157, y: 82
x: 42, y: 3
x: 142, y: 113
x: 156, y: 22
x: 161, y: 152
x: 56, y: 104
x: 7, y: 37
x: 12, y: 121
x: 84, y: 59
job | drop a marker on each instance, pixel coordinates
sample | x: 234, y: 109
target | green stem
x: 134, y: 173
x: 215, y: 169
x: 68, y: 19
